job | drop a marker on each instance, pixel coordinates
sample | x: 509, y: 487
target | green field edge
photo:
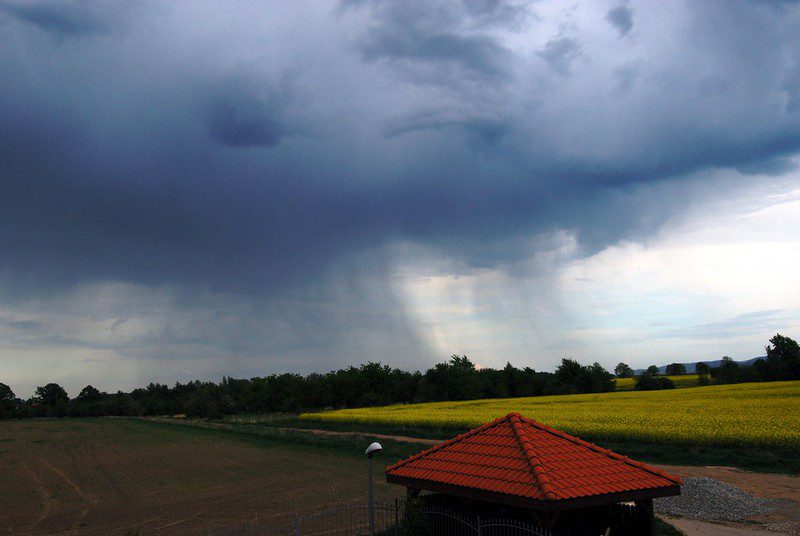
x: 663, y: 528
x: 754, y: 458
x: 283, y: 430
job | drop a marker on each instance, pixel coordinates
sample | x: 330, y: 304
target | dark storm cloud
x: 625, y: 79
x: 445, y: 35
x: 792, y: 87
x: 241, y: 116
x: 176, y: 153
x: 560, y: 53
x: 487, y: 130
x: 772, y: 167
x: 621, y: 17
x: 477, y: 54
x: 69, y: 17
x: 125, y: 182
x: 24, y: 324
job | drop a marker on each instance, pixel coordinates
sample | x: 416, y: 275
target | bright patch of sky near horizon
x: 717, y: 280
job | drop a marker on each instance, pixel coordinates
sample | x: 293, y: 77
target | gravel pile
x: 710, y: 499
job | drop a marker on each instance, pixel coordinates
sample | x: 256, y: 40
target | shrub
x: 414, y: 522
x: 649, y: 382
x: 675, y: 369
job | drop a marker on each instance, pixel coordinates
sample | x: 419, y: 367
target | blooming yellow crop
x: 748, y: 414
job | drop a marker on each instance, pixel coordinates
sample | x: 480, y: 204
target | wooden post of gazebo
x: 646, y: 517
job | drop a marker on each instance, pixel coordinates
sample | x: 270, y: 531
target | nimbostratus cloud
x: 262, y: 151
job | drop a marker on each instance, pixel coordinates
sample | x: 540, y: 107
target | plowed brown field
x: 120, y: 476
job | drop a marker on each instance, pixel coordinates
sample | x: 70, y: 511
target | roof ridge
x: 539, y: 474
x: 445, y: 443
x: 597, y: 448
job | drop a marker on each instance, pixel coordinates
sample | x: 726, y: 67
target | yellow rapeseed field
x: 747, y: 415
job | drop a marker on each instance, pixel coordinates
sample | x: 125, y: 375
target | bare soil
x: 117, y: 476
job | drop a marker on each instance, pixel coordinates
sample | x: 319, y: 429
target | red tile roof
x: 520, y: 457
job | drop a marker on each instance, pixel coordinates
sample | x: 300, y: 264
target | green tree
x: 783, y: 348
x: 89, y: 394
x: 674, y: 369
x: 652, y: 370
x: 457, y: 379
x: 53, y: 399
x: 204, y: 402
x: 88, y: 403
x: 727, y: 372
x: 600, y: 380
x: 6, y: 395
x: 702, y: 368
x: 623, y: 370
x: 7, y: 398
x: 572, y: 377
x: 51, y: 395
x: 783, y: 355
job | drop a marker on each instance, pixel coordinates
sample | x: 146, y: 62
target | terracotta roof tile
x: 518, y: 456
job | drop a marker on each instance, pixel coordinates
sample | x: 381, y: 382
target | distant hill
x: 690, y: 366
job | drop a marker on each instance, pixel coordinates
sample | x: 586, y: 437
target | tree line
x: 782, y: 363
x: 374, y: 384
x: 370, y: 384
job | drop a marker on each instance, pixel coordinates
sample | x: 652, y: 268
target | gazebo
x: 551, y: 475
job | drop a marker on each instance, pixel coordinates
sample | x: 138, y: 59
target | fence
x: 348, y: 519
x: 339, y: 520
x: 353, y: 520
x: 445, y: 521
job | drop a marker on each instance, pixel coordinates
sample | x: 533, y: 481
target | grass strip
x: 665, y: 529
x: 353, y: 445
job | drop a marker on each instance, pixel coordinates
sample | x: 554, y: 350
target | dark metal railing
x: 349, y: 520
x: 443, y: 521
x: 353, y: 520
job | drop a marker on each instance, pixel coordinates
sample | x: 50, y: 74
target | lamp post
x: 373, y: 449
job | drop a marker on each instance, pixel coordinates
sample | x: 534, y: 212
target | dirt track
x: 313, y: 431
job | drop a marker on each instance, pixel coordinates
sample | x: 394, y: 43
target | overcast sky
x: 198, y: 189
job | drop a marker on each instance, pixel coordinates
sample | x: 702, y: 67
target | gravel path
x: 710, y: 499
